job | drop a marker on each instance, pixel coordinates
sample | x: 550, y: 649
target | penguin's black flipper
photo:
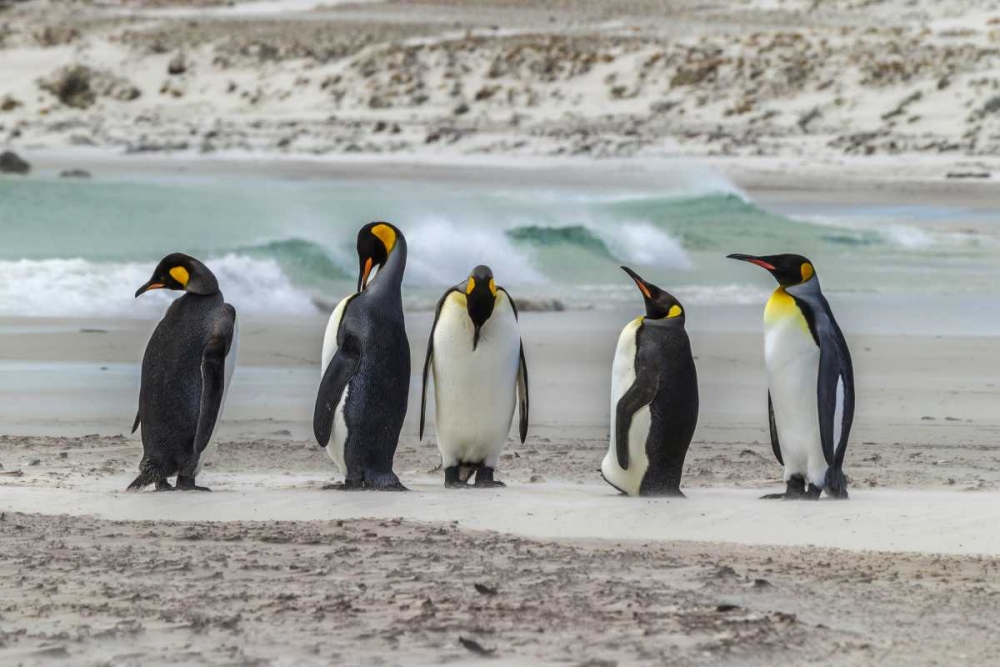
x: 429, y: 357
x: 835, y: 394
x: 775, y: 445
x: 213, y: 384
x: 522, y: 377
x: 338, y: 374
x: 639, y: 395
x: 522, y: 393
x: 138, y: 419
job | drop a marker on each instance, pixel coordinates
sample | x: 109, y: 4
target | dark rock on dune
x: 11, y: 163
x: 178, y: 65
x: 72, y: 87
x: 74, y: 173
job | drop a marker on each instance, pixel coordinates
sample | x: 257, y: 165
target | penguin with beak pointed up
x: 365, y: 370
x: 186, y: 374
x: 654, y: 399
x: 810, y: 379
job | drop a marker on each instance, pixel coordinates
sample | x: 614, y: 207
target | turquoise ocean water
x: 80, y: 248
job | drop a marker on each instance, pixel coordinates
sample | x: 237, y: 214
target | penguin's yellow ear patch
x: 180, y: 274
x: 386, y: 234
x: 471, y: 285
x: 807, y: 271
x: 493, y: 287
x: 675, y: 311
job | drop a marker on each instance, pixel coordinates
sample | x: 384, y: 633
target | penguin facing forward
x: 365, y: 370
x: 810, y: 397
x: 186, y: 373
x: 477, y: 359
x: 654, y: 399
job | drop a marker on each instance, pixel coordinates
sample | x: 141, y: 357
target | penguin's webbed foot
x: 347, y: 485
x: 453, y: 478
x: 383, y: 481
x: 164, y: 485
x: 484, y: 479
x: 795, y: 489
x: 187, y: 484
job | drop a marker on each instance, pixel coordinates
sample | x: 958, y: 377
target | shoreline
x: 859, y: 181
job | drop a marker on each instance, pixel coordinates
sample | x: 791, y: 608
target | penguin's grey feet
x: 383, y: 481
x: 187, y: 484
x: 452, y: 479
x: 484, y: 479
x: 812, y: 493
x: 795, y: 489
x: 164, y: 485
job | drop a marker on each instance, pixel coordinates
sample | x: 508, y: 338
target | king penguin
x: 477, y: 358
x: 186, y: 373
x: 654, y: 399
x: 366, y: 367
x: 810, y: 398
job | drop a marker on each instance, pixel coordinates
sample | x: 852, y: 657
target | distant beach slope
x: 804, y: 81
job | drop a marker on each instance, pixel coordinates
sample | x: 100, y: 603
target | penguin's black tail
x: 151, y: 471
x: 836, y: 483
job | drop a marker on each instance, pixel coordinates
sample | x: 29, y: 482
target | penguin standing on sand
x: 477, y: 358
x: 186, y: 374
x: 810, y: 397
x: 366, y: 367
x: 654, y: 399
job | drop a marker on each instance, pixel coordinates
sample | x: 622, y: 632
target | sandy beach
x: 273, y: 568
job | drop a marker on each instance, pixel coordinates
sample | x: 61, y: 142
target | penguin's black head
x: 480, y: 298
x: 788, y: 270
x: 376, y: 241
x: 660, y: 304
x: 181, y: 272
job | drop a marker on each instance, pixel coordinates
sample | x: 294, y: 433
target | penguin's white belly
x: 234, y: 349
x: 792, y: 359
x: 474, y: 390
x: 622, y: 379
x: 338, y: 437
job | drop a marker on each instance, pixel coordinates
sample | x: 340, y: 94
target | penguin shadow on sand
x: 476, y: 358
x: 186, y: 373
x: 365, y: 372
x: 654, y: 399
x: 810, y: 380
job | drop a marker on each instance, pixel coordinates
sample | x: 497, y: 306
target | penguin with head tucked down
x: 365, y: 370
x: 810, y: 382
x: 477, y: 360
x: 654, y: 399
x: 186, y: 373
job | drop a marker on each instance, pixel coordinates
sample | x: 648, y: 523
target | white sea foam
x: 443, y: 252
x: 644, y: 244
x: 81, y: 288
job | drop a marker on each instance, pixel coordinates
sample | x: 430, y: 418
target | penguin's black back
x: 674, y: 410
x: 379, y: 390
x: 170, y: 394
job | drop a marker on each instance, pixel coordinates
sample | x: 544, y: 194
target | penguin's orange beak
x: 753, y: 260
x: 639, y: 282
x: 365, y: 273
x: 148, y: 287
